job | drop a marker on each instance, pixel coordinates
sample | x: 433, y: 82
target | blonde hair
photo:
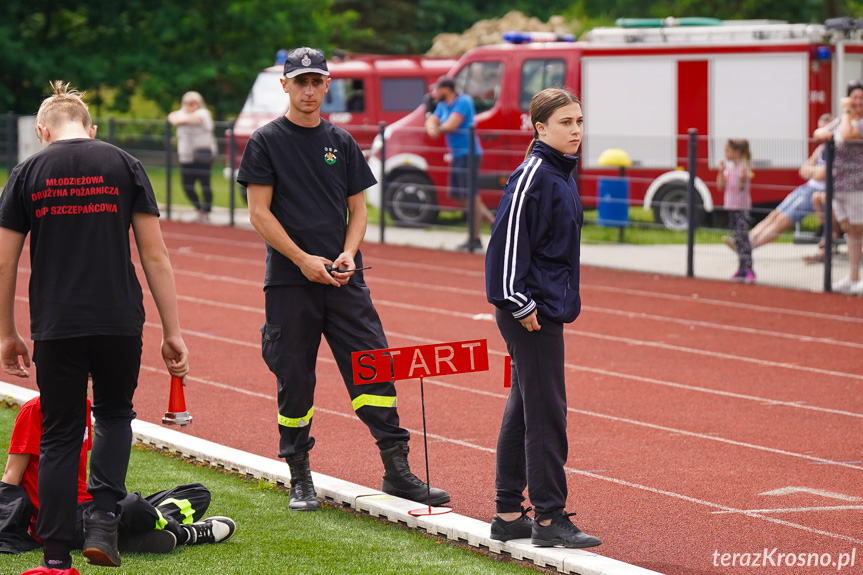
x: 194, y: 97
x: 543, y: 105
x: 65, y: 105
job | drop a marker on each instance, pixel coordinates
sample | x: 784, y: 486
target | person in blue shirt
x: 453, y: 117
x: 532, y: 278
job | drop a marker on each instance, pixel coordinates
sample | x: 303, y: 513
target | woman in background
x: 196, y: 148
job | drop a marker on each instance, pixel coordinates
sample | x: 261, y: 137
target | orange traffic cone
x: 177, y: 414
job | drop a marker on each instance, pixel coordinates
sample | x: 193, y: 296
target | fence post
x: 232, y: 159
x: 691, y: 203
x: 168, y: 152
x: 471, y: 187
x: 11, y: 146
x: 830, y: 156
x: 383, y: 180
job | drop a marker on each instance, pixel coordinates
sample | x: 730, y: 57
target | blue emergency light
x: 527, y: 37
x: 281, y: 56
x: 822, y: 53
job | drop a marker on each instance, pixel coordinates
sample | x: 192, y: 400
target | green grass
x: 269, y: 538
x: 219, y: 184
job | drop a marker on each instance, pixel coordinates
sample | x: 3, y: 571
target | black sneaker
x: 154, y: 541
x: 562, y: 532
x: 520, y: 528
x: 100, y: 537
x: 211, y: 530
x: 472, y: 245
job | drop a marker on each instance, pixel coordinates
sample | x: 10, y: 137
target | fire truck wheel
x: 411, y: 200
x: 669, y: 207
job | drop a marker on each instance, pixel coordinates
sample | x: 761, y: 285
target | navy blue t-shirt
x: 313, y: 171
x: 76, y: 198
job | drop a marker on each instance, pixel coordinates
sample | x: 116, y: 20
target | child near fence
x: 733, y: 177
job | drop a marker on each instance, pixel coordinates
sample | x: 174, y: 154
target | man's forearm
x: 356, y: 232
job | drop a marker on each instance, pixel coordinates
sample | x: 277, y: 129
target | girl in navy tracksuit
x: 532, y: 278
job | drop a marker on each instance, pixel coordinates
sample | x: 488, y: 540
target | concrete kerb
x: 453, y: 526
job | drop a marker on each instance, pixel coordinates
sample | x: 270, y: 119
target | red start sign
x: 379, y: 365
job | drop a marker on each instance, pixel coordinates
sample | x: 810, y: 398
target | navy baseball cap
x: 305, y: 61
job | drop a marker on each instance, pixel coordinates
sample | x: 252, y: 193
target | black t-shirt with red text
x: 76, y: 198
x: 313, y: 171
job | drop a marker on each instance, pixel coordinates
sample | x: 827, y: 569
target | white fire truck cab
x: 642, y: 89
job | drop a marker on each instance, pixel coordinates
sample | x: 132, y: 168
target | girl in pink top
x: 733, y: 177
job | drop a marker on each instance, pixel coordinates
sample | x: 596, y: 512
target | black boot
x: 100, y: 537
x: 400, y: 482
x: 303, y: 496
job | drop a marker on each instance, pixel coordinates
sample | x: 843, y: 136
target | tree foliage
x: 161, y: 48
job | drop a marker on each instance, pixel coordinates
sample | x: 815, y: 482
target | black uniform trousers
x: 62, y: 369
x: 296, y: 317
x: 532, y: 446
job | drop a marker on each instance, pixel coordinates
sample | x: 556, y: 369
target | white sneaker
x: 857, y: 288
x: 211, y: 530
x: 844, y: 285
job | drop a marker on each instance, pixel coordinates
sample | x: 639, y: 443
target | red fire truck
x: 642, y: 89
x: 364, y: 91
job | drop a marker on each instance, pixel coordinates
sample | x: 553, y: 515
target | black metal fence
x: 678, y: 231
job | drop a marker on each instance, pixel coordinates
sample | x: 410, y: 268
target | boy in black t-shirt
x: 303, y: 176
x: 77, y: 198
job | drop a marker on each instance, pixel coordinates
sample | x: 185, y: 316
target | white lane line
x: 724, y: 303
x: 642, y: 315
x: 720, y: 326
x: 614, y: 418
x: 256, y: 262
x: 233, y: 306
x: 642, y: 343
x: 819, y: 492
x: 258, y: 283
x: 797, y: 509
x: 584, y: 286
x: 715, y: 354
x: 568, y: 331
x: 604, y: 372
x: 211, y: 240
x: 481, y: 273
x: 663, y: 428
x: 629, y: 484
x: 578, y: 367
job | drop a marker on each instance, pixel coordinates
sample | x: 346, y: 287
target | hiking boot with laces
x: 401, y: 482
x: 303, y: 496
x: 216, y: 529
x: 100, y: 537
x: 520, y: 528
x: 562, y: 532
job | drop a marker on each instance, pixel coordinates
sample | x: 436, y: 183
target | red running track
x: 706, y: 419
